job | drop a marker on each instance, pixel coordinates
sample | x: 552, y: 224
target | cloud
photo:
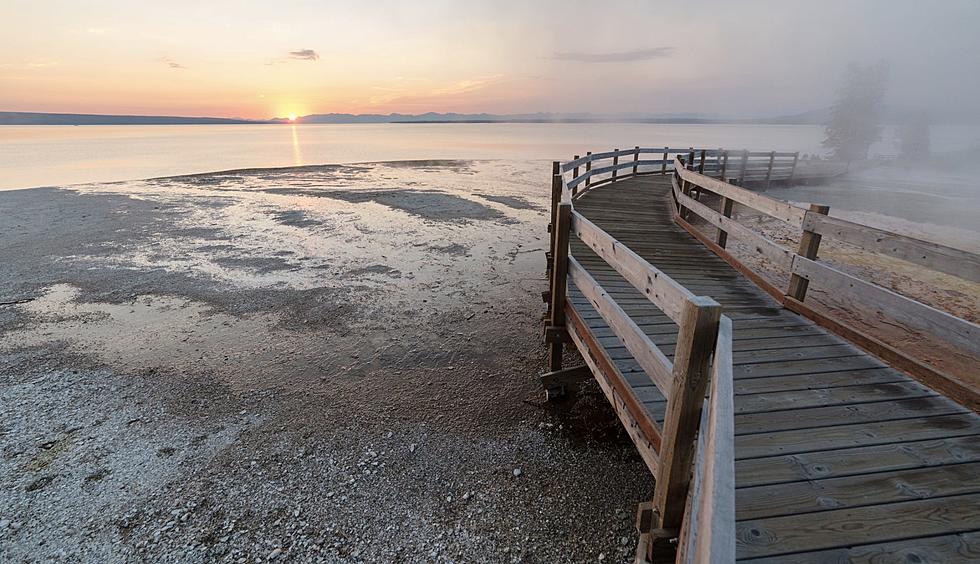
x: 304, y: 55
x: 616, y: 57
x: 172, y: 63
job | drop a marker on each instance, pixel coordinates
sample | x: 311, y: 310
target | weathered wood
x: 945, y: 259
x: 588, y: 169
x: 836, y: 493
x: 636, y: 159
x: 762, y: 245
x: 615, y: 164
x: 711, y: 523
x: 556, y: 383
x: 666, y: 294
x: 637, y: 422
x: 907, y: 311
x: 780, y: 210
x: 663, y: 167
x: 860, y: 525
x: 809, y: 246
x: 559, y: 280
x: 695, y: 345
x: 726, y: 210
x: 635, y: 340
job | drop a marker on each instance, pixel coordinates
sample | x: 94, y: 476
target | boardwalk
x: 838, y: 457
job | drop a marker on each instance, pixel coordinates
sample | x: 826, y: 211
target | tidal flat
x: 329, y: 363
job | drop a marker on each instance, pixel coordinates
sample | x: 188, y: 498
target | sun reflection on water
x: 297, y: 153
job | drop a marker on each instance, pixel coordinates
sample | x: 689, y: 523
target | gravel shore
x: 324, y: 364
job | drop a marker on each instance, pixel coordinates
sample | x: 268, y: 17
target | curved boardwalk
x: 838, y: 456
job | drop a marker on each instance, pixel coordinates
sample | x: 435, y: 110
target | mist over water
x: 60, y: 155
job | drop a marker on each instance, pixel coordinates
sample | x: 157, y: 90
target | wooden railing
x: 740, y: 167
x: 804, y: 269
x: 690, y: 436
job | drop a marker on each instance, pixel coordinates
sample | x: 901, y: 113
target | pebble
x: 274, y: 554
x: 517, y: 472
x: 411, y: 447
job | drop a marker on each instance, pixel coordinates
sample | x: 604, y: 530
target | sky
x: 273, y: 59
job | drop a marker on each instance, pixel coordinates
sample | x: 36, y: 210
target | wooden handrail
x: 665, y: 293
x: 960, y: 332
x: 937, y: 257
x: 708, y: 533
x: 646, y: 353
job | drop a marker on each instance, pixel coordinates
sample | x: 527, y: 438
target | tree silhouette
x: 855, y: 119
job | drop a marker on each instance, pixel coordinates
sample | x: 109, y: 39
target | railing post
x: 772, y: 159
x: 663, y: 164
x: 554, y: 334
x: 718, y: 160
x: 809, y: 245
x: 588, y: 167
x: 555, y: 199
x: 792, y: 171
x: 636, y: 158
x: 724, y: 167
x: 689, y: 165
x: 695, y: 346
x: 745, y: 165
x: 726, y: 210
x: 615, y: 162
x: 575, y: 170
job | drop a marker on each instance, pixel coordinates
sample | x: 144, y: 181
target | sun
x: 292, y: 117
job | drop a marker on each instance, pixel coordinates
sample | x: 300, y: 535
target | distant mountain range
x: 36, y: 118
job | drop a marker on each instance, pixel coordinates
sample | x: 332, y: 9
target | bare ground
x: 328, y: 364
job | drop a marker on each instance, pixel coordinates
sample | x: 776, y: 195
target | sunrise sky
x: 265, y: 59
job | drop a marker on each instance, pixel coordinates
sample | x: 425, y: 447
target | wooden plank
x: 960, y: 548
x: 778, y: 209
x: 668, y: 295
x: 711, y: 524
x: 809, y: 246
x: 761, y: 244
x: 637, y: 422
x: 945, y: 259
x: 559, y: 282
x: 845, y: 414
x: 818, y: 380
x: 852, y: 491
x: 854, y: 461
x: 801, y: 399
x: 696, y: 343
x: 640, y: 346
x: 786, y: 368
x: 959, y: 332
x: 846, y: 527
x: 832, y: 438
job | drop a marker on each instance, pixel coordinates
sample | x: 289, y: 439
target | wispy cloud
x: 304, y: 55
x: 616, y: 57
x: 172, y: 63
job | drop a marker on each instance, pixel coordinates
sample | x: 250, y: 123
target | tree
x: 855, y: 119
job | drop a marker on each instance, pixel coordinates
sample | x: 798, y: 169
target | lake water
x: 60, y: 155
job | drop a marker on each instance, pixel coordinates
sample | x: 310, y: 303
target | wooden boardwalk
x: 838, y: 457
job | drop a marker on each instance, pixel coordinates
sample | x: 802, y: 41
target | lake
x: 59, y: 155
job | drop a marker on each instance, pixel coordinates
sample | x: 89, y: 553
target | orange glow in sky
x: 238, y: 58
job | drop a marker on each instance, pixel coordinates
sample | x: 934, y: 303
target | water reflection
x: 297, y: 153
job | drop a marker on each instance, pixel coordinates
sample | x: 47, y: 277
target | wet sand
x: 329, y: 364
